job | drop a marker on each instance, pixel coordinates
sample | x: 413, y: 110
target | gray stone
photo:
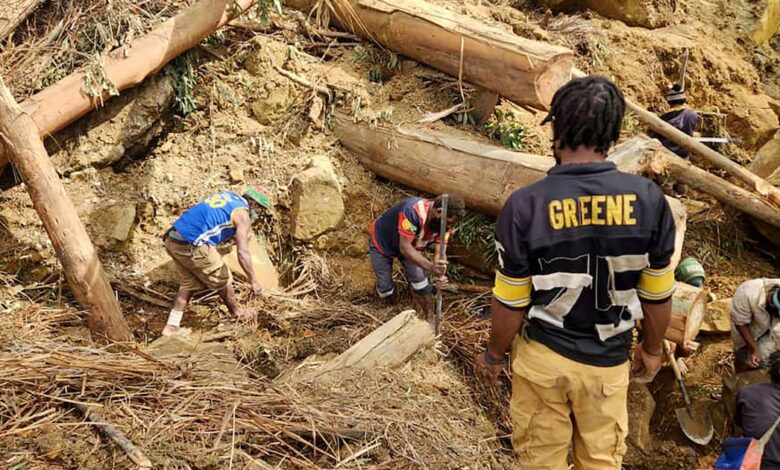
x: 317, y: 205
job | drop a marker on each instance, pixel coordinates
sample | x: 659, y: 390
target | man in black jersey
x: 583, y: 255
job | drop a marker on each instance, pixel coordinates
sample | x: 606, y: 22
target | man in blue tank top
x: 192, y: 242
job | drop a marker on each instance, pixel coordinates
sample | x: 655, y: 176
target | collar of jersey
x: 582, y: 168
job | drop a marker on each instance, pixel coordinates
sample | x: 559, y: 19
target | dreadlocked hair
x: 587, y: 111
x: 456, y: 206
x: 774, y: 367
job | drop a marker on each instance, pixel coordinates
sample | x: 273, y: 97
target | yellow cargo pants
x: 557, y: 402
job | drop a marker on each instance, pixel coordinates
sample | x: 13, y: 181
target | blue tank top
x: 210, y: 221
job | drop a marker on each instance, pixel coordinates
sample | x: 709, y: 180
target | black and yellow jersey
x: 582, y: 249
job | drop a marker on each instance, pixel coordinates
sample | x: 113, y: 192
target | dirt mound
x: 645, y: 13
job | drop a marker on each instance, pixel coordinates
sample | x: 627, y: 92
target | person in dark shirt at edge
x: 758, y: 406
x: 583, y: 255
x: 682, y: 118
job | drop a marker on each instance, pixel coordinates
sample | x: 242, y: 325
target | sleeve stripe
x: 656, y: 284
x: 514, y: 292
x: 657, y: 272
x: 513, y: 281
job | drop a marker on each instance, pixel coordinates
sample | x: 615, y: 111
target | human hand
x: 440, y: 267
x: 257, y: 289
x: 486, y: 372
x: 754, y: 360
x: 646, y: 365
x: 441, y: 282
x: 682, y: 366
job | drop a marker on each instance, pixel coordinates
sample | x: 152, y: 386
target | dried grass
x: 62, y: 37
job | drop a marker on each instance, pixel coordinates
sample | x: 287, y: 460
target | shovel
x: 697, y: 426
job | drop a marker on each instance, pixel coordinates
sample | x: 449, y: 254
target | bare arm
x: 654, y: 324
x: 409, y: 252
x: 243, y: 224
x: 505, y: 323
x: 744, y: 332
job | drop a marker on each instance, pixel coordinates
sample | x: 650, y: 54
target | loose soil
x: 223, y: 145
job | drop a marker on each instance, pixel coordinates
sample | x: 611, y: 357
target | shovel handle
x: 677, y: 374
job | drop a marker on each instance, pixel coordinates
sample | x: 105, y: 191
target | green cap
x: 688, y: 269
x: 260, y: 195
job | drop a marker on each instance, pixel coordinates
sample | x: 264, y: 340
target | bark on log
x: 390, y: 345
x: 484, y: 174
x: 666, y: 163
x: 62, y: 103
x: 80, y: 263
x: 524, y: 71
x: 688, y: 307
x: 13, y: 12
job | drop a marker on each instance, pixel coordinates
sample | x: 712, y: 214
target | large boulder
x: 124, y: 127
x: 645, y: 13
x: 716, y: 319
x: 766, y: 164
x: 317, y: 205
x: 113, y: 225
x: 752, y: 119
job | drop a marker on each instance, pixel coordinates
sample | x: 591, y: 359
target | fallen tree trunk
x: 390, y: 345
x: 62, y: 103
x: 688, y: 306
x: 524, y: 71
x: 484, y: 174
x: 13, y: 13
x: 74, y: 249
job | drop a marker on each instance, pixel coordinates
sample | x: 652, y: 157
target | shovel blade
x: 697, y: 427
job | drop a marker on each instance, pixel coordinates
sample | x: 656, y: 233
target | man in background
x: 755, y: 323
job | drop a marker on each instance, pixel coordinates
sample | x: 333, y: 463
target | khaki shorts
x: 199, y: 267
x: 557, y: 403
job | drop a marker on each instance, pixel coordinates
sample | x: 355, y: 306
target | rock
x: 317, y: 205
x: 645, y: 13
x: 268, y: 52
x: 641, y: 407
x: 113, y: 225
x: 123, y: 128
x: 213, y: 362
x: 716, y: 318
x: 264, y: 269
x: 766, y: 164
x: 269, y: 109
x: 236, y: 175
x: 733, y: 383
x: 752, y: 119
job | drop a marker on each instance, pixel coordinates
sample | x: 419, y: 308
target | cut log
x: 390, y: 345
x: 448, y: 163
x: 62, y: 103
x: 74, y: 249
x: 13, y: 12
x: 524, y: 71
x: 688, y: 307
